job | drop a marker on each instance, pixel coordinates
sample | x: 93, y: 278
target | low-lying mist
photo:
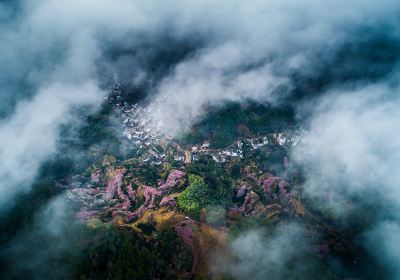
x: 334, y: 64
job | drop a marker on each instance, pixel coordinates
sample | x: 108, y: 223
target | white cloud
x: 262, y: 254
x: 352, y: 150
x: 30, y: 135
x: 253, y: 49
x: 353, y: 143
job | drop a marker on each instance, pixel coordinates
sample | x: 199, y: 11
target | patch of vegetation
x: 148, y: 174
x: 215, y: 177
x: 118, y: 253
x: 222, y: 126
x: 195, y: 197
x: 234, y: 170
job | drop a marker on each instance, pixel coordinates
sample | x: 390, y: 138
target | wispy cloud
x: 55, y: 54
x: 351, y: 156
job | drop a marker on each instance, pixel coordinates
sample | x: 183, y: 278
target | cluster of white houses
x: 154, y: 146
x: 236, y: 149
x: 143, y: 132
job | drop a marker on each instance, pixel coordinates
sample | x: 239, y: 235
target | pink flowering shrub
x: 172, y: 180
x: 269, y: 183
x: 94, y: 191
x: 276, y: 189
x: 113, y: 184
x: 125, y: 199
x: 250, y: 200
x: 150, y: 194
x: 95, y: 176
x: 131, y: 192
x: 185, y: 232
x: 168, y: 201
x: 249, y: 203
x: 284, y: 195
x: 84, y: 214
x: 241, y: 191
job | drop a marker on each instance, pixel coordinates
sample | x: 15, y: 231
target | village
x: 154, y: 146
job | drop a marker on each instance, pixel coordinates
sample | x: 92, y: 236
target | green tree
x: 234, y: 170
x: 195, y: 196
x: 215, y: 177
